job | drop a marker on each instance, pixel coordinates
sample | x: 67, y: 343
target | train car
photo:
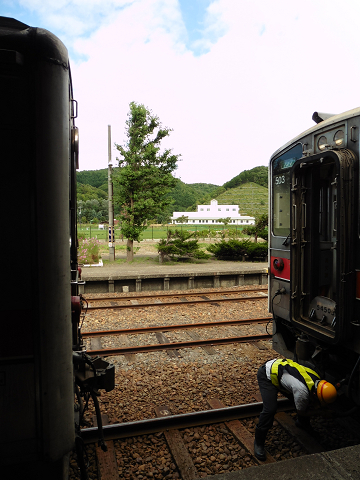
x: 314, y: 255
x: 42, y: 359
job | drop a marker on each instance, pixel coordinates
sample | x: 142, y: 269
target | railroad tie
x: 125, y: 342
x: 177, y: 448
x: 307, y: 441
x: 107, y: 464
x: 213, y: 303
x: 162, y: 339
x: 95, y: 343
x: 302, y: 437
x: 207, y: 348
x: 240, y: 433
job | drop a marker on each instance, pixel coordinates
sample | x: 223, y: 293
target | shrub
x: 232, y: 248
x: 257, y: 250
x: 180, y: 244
x: 237, y: 249
x: 88, y: 251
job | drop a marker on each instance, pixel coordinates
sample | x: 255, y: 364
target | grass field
x: 152, y: 232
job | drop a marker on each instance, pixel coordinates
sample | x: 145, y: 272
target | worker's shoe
x: 259, y: 445
x: 304, y: 423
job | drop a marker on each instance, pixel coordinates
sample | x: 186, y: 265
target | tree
x: 144, y: 176
x: 260, y: 229
x: 182, y: 219
x: 225, y: 221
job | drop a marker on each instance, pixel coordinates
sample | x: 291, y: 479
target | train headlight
x: 339, y: 137
x: 322, y: 142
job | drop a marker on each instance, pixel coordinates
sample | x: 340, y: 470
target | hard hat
x: 325, y: 391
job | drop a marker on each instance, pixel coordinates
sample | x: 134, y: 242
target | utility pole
x: 111, y: 204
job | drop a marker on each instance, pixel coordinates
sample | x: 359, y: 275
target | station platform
x: 335, y: 465
x: 149, y: 275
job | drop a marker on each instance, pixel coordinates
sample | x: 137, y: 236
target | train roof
x: 7, y: 22
x: 38, y: 42
x: 333, y: 119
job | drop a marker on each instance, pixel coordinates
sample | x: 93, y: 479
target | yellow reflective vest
x: 304, y: 374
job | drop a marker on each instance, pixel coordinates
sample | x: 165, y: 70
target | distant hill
x: 88, y: 192
x: 248, y: 190
x: 251, y: 198
x: 95, y: 178
x: 258, y: 175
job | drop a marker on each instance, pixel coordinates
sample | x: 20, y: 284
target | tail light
x: 280, y: 267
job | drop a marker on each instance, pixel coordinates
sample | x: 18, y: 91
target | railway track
x: 176, y: 429
x: 133, y: 301
x: 159, y: 388
x: 165, y: 344
x: 178, y: 432
x: 107, y: 352
x: 181, y: 294
x: 168, y: 421
x: 132, y: 331
x: 168, y: 425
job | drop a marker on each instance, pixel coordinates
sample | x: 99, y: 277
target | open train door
x: 323, y: 229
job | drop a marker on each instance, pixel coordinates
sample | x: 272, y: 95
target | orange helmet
x: 325, y: 391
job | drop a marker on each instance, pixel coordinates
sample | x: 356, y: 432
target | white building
x: 211, y: 214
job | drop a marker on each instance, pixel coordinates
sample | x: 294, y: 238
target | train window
x: 281, y: 168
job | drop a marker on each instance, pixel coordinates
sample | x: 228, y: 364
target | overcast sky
x: 234, y: 79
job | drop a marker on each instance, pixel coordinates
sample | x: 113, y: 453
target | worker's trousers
x: 269, y: 397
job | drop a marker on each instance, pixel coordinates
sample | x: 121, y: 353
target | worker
x: 294, y: 381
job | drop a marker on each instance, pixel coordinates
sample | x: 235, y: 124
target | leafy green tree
x: 144, y: 176
x: 260, y: 229
x: 182, y: 219
x: 225, y: 221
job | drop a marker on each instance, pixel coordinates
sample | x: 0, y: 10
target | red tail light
x: 280, y: 267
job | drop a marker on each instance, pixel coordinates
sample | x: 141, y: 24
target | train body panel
x: 36, y: 369
x: 314, y: 248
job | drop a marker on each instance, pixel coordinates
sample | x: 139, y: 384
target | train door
x: 323, y: 241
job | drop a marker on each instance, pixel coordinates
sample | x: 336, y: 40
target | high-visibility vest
x: 304, y: 374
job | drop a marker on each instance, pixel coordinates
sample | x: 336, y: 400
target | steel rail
x: 181, y: 294
x: 187, y: 420
x: 107, y: 352
x: 163, y: 328
x: 143, y: 305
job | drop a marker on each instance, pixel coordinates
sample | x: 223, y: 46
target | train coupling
x: 93, y: 373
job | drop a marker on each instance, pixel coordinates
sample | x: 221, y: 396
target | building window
x: 234, y: 209
x: 201, y: 209
x: 208, y: 209
x: 212, y: 221
x: 227, y: 209
x: 193, y: 221
x: 219, y: 209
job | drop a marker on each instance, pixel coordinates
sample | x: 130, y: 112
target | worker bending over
x: 293, y: 380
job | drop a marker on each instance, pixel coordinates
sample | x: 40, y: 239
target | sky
x: 233, y: 79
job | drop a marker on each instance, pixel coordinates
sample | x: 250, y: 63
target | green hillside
x: 95, y: 178
x: 248, y: 190
x: 251, y: 198
x: 88, y: 192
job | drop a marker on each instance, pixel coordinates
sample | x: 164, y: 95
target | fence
x: 156, y: 232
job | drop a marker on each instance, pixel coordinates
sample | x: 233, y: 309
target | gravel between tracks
x: 184, y: 383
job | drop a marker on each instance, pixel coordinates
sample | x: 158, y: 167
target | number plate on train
x: 323, y: 309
